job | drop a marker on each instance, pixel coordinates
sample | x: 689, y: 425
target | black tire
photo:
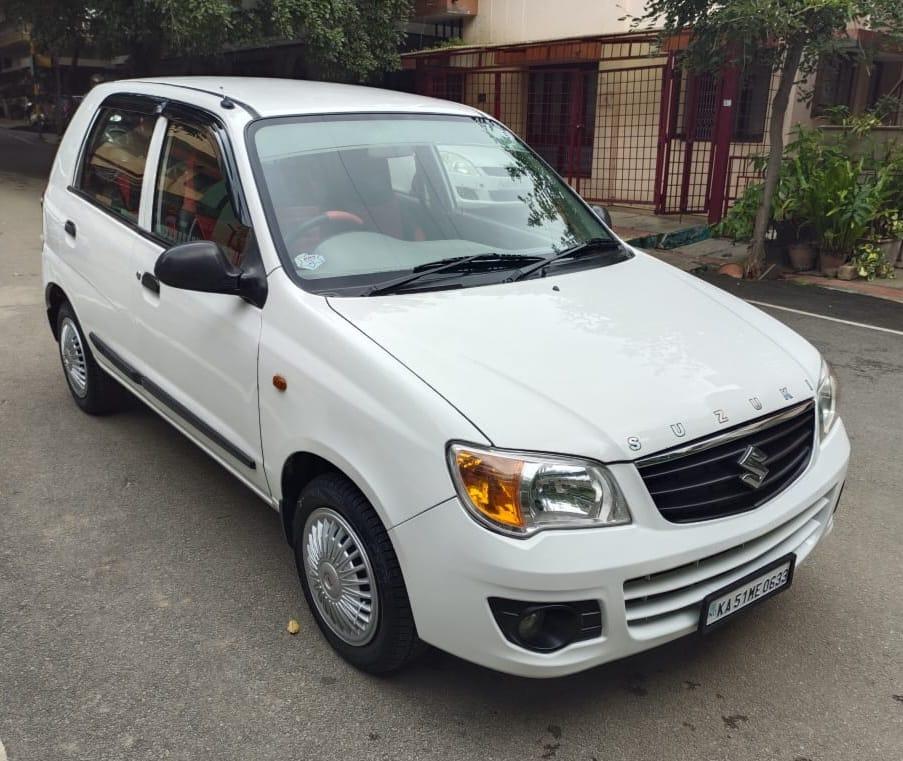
x: 394, y: 642
x: 100, y: 394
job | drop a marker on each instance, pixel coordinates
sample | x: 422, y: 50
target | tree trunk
x: 58, y: 95
x: 64, y: 110
x: 73, y: 66
x: 756, y: 257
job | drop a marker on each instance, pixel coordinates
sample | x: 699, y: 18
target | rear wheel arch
x: 54, y: 298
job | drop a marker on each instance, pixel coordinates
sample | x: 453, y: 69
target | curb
x: 861, y: 287
x: 673, y: 239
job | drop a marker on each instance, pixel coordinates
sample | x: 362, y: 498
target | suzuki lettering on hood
x: 618, y: 363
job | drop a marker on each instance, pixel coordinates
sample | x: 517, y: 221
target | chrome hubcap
x: 340, y: 577
x: 73, y: 355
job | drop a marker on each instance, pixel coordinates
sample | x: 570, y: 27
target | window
x: 833, y: 84
x: 402, y: 170
x: 751, y: 107
x: 114, y: 162
x: 699, y: 124
x: 192, y: 199
x: 331, y: 189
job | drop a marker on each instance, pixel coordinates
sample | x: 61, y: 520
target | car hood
x: 612, y: 363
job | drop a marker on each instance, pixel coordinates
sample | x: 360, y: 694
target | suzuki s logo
x: 753, y: 462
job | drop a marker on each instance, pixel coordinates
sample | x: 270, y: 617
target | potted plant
x: 889, y: 235
x: 789, y: 215
x: 870, y: 262
x: 845, y: 201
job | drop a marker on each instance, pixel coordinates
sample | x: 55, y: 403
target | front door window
x: 192, y: 199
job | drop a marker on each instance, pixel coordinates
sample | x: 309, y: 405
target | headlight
x: 455, y: 162
x: 826, y: 399
x: 521, y: 493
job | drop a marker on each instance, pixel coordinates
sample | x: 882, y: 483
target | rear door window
x: 192, y: 197
x: 114, y: 161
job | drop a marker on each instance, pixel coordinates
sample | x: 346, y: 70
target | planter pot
x: 892, y: 251
x: 776, y: 253
x: 847, y: 272
x: 801, y: 256
x: 829, y: 263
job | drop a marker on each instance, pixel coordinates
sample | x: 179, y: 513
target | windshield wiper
x: 581, y: 249
x: 467, y: 264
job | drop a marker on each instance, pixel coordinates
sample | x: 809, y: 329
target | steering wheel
x: 329, y: 217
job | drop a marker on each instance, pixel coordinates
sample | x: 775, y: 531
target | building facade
x: 610, y: 108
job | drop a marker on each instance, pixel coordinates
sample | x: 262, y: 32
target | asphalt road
x: 144, y: 595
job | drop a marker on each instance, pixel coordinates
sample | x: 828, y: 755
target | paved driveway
x: 144, y: 595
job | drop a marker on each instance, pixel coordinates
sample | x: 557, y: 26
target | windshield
x: 354, y: 201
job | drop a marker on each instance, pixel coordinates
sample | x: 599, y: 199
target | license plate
x: 759, y: 585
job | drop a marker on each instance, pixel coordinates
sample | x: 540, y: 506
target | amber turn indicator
x: 280, y: 383
x: 493, y: 485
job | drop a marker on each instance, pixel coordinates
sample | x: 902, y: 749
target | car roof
x: 285, y: 97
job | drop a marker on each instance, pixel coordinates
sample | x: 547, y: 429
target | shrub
x: 832, y: 190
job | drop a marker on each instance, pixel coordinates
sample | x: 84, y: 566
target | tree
x: 146, y: 30
x: 58, y: 27
x: 343, y: 39
x: 789, y: 35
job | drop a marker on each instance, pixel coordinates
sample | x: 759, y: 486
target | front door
x: 199, y: 350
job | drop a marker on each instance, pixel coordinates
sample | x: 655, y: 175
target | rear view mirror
x: 201, y: 265
x: 603, y: 214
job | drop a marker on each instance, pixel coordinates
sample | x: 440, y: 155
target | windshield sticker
x: 309, y: 261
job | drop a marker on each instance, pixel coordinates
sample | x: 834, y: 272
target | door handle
x: 150, y: 282
x: 69, y: 227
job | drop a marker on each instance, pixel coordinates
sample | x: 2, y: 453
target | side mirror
x: 201, y: 265
x: 603, y: 214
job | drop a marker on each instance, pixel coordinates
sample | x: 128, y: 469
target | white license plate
x: 747, y: 591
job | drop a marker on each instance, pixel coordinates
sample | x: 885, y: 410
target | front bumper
x: 649, y: 577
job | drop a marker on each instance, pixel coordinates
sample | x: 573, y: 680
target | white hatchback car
x: 492, y: 427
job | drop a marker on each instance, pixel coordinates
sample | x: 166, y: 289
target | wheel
x: 351, y: 578
x: 336, y: 218
x: 93, y: 390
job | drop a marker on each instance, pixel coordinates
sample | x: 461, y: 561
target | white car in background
x: 482, y: 174
x: 491, y: 427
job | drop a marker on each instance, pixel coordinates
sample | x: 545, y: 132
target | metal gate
x: 687, y: 141
x: 560, y: 115
x: 620, y: 120
x: 712, y: 128
x: 626, y: 135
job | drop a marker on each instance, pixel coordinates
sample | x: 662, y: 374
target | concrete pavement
x: 144, y: 595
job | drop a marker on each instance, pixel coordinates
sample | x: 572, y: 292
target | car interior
x: 401, y: 193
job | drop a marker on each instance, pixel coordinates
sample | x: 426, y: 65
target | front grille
x: 704, y: 479
x: 504, y: 195
x: 669, y: 601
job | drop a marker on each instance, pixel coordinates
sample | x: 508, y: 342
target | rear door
x: 99, y: 220
x: 199, y: 350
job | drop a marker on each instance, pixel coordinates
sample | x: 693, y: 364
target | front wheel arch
x: 298, y: 471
